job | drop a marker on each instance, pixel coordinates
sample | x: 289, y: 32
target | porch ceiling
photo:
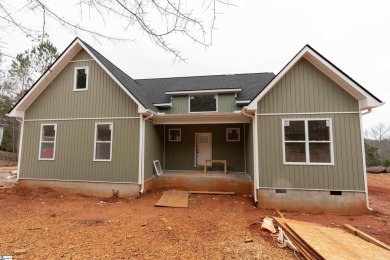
x: 200, y: 118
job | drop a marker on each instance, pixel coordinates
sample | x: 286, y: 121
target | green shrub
x: 386, y: 163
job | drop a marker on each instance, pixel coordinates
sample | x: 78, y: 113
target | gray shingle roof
x: 250, y: 85
x: 130, y: 84
x: 152, y: 91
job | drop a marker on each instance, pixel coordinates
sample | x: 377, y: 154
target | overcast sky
x: 256, y: 36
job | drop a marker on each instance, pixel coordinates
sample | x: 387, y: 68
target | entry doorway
x: 203, y: 148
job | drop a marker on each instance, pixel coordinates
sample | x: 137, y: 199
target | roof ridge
x: 202, y: 76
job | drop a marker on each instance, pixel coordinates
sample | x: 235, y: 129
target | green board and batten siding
x: 226, y: 103
x: 154, y: 147
x: 304, y: 89
x: 249, y: 150
x: 104, y: 98
x: 74, y: 137
x: 74, y: 152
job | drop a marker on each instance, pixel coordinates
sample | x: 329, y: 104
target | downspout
x: 364, y: 158
x: 20, y: 147
x: 143, y: 121
x: 255, y: 157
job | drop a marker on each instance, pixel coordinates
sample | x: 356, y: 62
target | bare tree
x: 379, y: 133
x: 158, y: 19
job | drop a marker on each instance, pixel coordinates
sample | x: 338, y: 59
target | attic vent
x: 336, y: 192
x: 280, y: 191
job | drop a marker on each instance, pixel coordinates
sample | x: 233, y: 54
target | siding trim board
x: 308, y: 113
x: 82, y: 60
x: 206, y: 91
x: 72, y: 119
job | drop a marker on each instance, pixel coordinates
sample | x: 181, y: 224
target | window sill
x: 202, y: 112
x: 309, y: 164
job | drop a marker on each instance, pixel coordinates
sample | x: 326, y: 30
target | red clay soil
x: 46, y: 224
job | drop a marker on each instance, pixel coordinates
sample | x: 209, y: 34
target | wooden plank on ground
x: 174, y: 199
x: 304, y: 248
x: 213, y: 192
x: 334, y: 243
x: 365, y: 236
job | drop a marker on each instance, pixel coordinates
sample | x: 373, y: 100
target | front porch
x: 240, y: 183
x: 183, y: 147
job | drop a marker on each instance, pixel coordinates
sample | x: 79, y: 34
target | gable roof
x: 366, y: 99
x: 249, y: 84
x: 131, y: 87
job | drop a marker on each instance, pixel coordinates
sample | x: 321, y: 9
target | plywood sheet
x: 174, y: 199
x: 334, y: 243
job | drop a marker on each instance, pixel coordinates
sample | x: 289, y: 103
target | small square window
x: 233, y: 134
x: 80, y: 78
x: 174, y: 135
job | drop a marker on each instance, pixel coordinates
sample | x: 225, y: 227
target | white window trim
x: 40, y: 143
x: 189, y: 105
x: 95, y: 141
x: 169, y: 134
x: 307, y: 142
x: 75, y: 78
x: 239, y: 134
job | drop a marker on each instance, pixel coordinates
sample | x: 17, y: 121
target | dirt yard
x: 45, y: 224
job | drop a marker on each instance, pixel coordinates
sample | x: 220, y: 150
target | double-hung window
x: 307, y: 141
x: 47, y: 144
x: 103, y: 142
x: 80, y: 78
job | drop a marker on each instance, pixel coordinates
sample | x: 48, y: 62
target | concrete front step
x: 239, y: 183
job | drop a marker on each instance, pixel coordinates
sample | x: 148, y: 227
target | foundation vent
x: 336, y: 192
x: 280, y: 191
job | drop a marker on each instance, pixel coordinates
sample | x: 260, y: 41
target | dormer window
x: 203, y: 103
x: 80, y: 78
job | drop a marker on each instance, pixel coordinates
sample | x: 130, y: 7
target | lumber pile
x: 319, y: 242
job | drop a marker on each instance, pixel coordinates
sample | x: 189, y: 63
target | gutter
x: 367, y: 111
x: 255, y: 153
x: 149, y: 114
